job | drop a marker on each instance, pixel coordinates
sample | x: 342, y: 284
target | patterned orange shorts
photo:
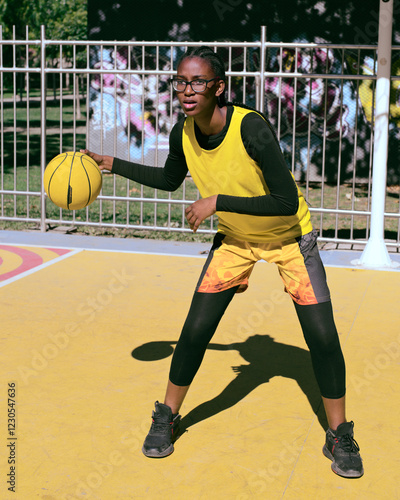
x: 231, y: 262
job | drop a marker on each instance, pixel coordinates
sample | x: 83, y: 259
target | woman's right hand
x: 104, y: 162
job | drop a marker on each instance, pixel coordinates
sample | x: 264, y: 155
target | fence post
x: 262, y: 68
x: 375, y: 253
x: 42, y: 126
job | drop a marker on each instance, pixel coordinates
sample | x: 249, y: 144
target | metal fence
x: 114, y: 98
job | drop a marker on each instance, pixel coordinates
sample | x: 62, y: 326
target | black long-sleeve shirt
x: 261, y: 146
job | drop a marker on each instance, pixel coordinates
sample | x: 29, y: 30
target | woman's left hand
x: 200, y: 210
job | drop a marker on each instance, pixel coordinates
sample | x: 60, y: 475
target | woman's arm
x: 168, y: 178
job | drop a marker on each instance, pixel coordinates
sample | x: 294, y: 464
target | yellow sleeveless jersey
x: 228, y: 169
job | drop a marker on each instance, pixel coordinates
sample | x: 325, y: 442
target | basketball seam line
x: 58, y: 166
x: 69, y: 179
x: 88, y: 178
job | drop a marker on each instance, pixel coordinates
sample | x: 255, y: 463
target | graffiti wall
x: 130, y: 114
x: 324, y: 124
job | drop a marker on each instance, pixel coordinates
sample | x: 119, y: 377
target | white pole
x: 375, y: 254
x: 262, y: 68
x: 43, y: 93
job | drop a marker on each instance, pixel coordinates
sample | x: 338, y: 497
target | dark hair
x: 214, y: 60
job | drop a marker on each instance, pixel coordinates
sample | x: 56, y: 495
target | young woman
x: 235, y: 161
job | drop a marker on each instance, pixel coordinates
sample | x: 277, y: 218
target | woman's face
x: 194, y: 103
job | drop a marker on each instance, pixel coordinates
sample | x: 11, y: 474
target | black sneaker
x: 159, y: 440
x: 343, y: 450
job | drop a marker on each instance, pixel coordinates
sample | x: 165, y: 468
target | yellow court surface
x: 86, y: 344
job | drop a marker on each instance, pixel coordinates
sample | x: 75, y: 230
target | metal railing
x: 113, y: 97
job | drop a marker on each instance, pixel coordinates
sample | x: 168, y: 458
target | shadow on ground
x: 266, y: 359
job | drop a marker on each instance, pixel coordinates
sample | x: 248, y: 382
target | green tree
x: 63, y: 19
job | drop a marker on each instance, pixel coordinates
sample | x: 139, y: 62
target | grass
x: 21, y: 149
x: 138, y: 213
x: 22, y: 145
x: 101, y: 211
x: 53, y: 115
x: 36, y: 92
x: 343, y: 198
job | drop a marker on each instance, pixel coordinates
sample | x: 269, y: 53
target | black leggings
x: 316, y: 321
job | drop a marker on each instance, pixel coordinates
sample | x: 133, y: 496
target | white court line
x: 341, y: 265
x: 200, y: 256
x: 112, y: 250
x: 355, y: 267
x: 38, y: 268
x: 49, y: 247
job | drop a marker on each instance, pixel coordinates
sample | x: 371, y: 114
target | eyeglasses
x: 198, y: 85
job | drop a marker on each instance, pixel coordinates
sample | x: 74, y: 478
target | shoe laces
x: 160, y: 424
x: 348, y: 443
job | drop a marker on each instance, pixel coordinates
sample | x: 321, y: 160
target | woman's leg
x: 175, y: 395
x: 335, y: 410
x: 327, y: 358
x: 203, y: 318
x: 204, y: 315
x: 321, y: 336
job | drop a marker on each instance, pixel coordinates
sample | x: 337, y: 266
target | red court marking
x: 30, y: 259
x: 59, y: 251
